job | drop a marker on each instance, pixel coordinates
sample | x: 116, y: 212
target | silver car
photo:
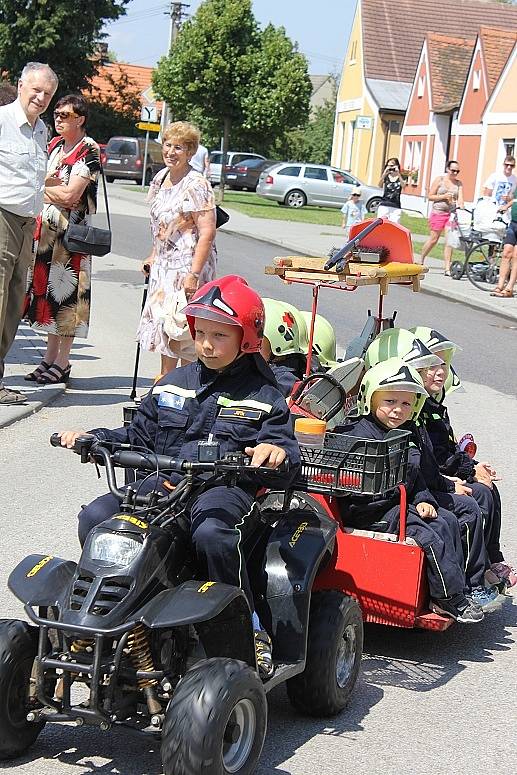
x: 297, y: 184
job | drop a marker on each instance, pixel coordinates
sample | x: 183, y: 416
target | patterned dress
x: 59, y: 292
x: 174, y: 238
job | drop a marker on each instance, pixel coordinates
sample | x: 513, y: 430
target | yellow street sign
x: 147, y: 127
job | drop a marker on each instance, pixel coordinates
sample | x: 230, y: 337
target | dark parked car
x: 246, y: 173
x: 125, y: 159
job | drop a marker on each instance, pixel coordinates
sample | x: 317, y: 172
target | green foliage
x: 62, y: 33
x: 225, y: 71
x: 312, y: 142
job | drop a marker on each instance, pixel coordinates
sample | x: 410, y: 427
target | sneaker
x: 263, y: 650
x: 459, y: 608
x: 485, y: 597
x: 505, y: 573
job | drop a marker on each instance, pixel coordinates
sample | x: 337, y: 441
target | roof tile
x: 449, y: 62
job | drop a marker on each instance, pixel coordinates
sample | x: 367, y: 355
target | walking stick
x: 137, y: 356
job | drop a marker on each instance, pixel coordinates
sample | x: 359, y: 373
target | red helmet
x: 230, y: 300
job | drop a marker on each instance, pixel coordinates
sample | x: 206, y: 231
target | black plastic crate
x: 347, y: 464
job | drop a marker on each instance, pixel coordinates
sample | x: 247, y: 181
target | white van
x: 232, y: 157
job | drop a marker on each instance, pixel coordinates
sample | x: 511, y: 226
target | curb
x: 20, y: 411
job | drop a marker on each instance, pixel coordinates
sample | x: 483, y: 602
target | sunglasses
x: 64, y: 115
x: 455, y: 172
x: 510, y: 165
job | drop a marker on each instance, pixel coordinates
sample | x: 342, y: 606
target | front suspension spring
x: 140, y: 654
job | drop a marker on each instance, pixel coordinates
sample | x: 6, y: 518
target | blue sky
x: 320, y: 27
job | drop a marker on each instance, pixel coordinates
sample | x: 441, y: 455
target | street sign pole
x: 146, y: 148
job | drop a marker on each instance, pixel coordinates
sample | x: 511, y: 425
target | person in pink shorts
x: 446, y: 194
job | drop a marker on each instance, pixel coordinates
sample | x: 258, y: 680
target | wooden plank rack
x: 353, y: 274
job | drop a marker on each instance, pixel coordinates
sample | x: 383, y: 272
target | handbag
x: 81, y: 237
x: 221, y: 216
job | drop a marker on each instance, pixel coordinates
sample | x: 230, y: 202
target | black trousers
x: 441, y: 542
x: 219, y: 518
x: 489, y: 501
x: 471, y: 524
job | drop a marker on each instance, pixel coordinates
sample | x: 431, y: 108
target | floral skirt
x: 59, y: 288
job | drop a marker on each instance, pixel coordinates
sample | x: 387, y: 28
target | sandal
x: 498, y: 292
x: 33, y: 376
x: 507, y: 294
x: 55, y: 375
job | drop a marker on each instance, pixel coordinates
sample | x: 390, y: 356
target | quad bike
x: 132, y: 634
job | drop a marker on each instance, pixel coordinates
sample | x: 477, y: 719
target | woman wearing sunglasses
x: 59, y: 292
x: 445, y: 194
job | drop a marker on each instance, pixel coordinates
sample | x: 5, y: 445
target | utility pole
x: 176, y: 14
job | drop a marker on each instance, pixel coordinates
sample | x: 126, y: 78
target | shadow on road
x: 421, y: 660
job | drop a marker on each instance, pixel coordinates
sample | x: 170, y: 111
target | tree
x: 227, y: 75
x: 312, y: 142
x: 62, y: 33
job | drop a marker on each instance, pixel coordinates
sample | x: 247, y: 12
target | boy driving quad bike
x: 227, y: 397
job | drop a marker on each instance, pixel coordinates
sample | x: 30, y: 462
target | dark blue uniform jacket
x: 450, y: 458
x: 363, y: 510
x: 240, y: 407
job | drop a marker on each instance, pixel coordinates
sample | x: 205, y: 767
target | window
x: 476, y: 80
x: 122, y: 147
x: 420, y: 87
x: 509, y: 147
x: 315, y: 173
x: 394, y: 127
x: 353, y: 53
x: 291, y: 171
x: 412, y: 161
x: 215, y: 157
x: 341, y: 177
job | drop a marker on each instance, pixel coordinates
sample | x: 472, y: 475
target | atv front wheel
x: 216, y: 721
x: 18, y: 648
x: 334, y: 651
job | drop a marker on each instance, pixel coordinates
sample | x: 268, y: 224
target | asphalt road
x: 425, y: 703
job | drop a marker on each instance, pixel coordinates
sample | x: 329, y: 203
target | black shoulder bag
x: 81, y: 237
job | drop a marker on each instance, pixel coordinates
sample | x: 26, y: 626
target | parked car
x: 232, y: 158
x: 246, y: 173
x: 125, y: 159
x: 102, y: 149
x: 297, y: 184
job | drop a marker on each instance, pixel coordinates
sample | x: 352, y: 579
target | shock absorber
x: 141, y: 659
x: 82, y: 645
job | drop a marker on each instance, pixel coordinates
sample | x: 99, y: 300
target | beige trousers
x: 16, y: 233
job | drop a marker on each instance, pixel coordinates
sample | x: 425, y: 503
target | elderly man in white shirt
x: 23, y: 166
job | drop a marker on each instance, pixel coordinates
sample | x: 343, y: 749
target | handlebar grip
x: 55, y: 440
x: 150, y: 462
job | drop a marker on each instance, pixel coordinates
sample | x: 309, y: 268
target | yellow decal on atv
x: 206, y: 586
x: 132, y: 520
x: 297, y: 533
x: 39, y: 566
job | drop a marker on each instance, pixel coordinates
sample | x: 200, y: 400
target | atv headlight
x: 115, y: 549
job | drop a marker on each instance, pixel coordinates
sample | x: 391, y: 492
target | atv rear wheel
x: 18, y: 648
x: 216, y: 721
x: 334, y: 651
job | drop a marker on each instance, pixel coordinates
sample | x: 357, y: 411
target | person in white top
x: 501, y: 186
x: 353, y: 211
x: 23, y: 165
x: 201, y: 161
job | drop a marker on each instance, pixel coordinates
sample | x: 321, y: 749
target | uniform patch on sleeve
x: 171, y: 400
x: 239, y: 413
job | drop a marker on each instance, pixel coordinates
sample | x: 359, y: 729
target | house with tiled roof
x: 379, y: 68
x: 435, y: 96
x: 491, y: 53
x: 138, y: 80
